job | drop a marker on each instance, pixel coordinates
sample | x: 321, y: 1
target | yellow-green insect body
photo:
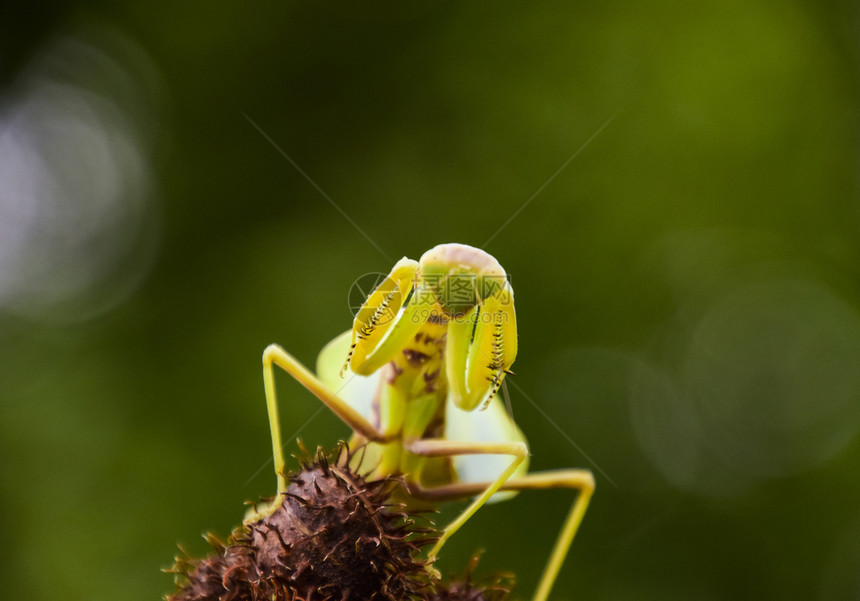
x: 435, y: 341
x: 417, y: 379
x: 412, y: 395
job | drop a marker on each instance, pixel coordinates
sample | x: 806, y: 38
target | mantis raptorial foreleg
x: 380, y: 330
x: 481, y: 345
x: 581, y: 480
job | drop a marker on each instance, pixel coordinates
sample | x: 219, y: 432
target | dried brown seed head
x: 464, y: 588
x: 335, y: 537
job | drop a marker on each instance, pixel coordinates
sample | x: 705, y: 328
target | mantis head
x: 456, y: 287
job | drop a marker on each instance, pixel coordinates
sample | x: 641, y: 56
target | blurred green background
x: 687, y: 286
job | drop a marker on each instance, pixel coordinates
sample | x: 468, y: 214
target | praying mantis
x: 417, y: 377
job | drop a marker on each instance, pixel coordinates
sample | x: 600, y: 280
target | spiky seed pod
x: 463, y: 588
x: 464, y: 591
x: 226, y: 575
x: 334, y: 537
